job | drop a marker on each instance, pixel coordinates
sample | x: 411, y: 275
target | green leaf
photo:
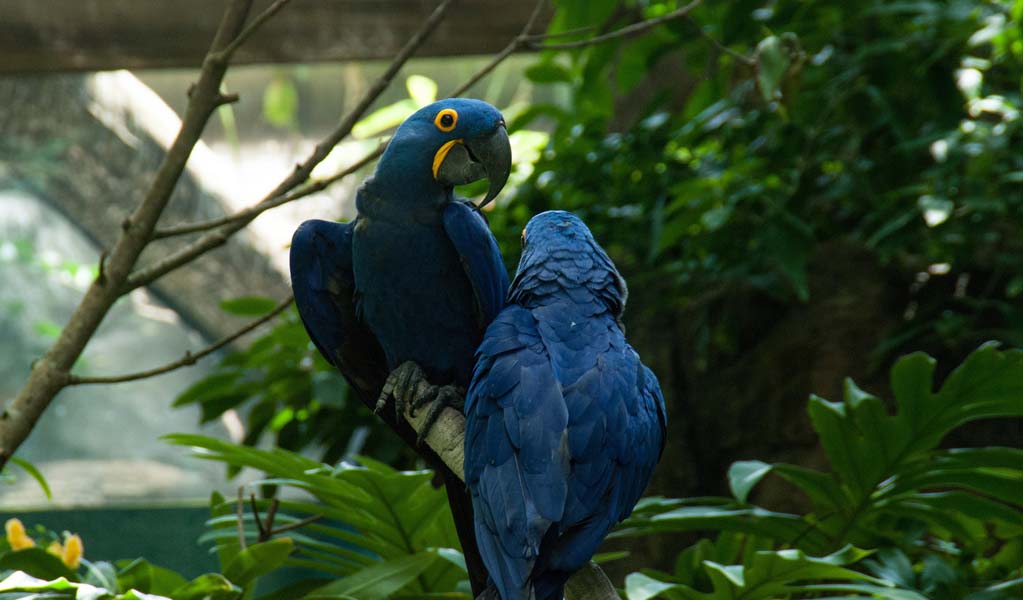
x: 148, y: 578
x: 384, y: 118
x: 211, y: 586
x: 280, y: 103
x: 36, y: 562
x: 249, y: 306
x: 744, y: 475
x: 100, y: 574
x: 379, y: 581
x: 258, y: 560
x: 548, y: 71
x: 772, y: 63
x: 641, y: 587
x: 47, y: 329
x: 782, y: 527
x: 34, y: 473
x: 422, y: 90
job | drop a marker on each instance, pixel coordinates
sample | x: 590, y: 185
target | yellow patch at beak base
x: 442, y: 153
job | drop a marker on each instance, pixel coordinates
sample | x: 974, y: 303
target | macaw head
x: 447, y: 143
x: 560, y: 256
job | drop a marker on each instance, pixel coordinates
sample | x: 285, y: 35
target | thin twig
x: 226, y: 54
x: 540, y: 37
x: 190, y: 358
x: 255, y: 517
x: 627, y: 31
x: 255, y: 210
x: 302, y: 171
x: 271, y: 514
x: 296, y: 524
x: 241, y: 518
x: 739, y: 56
x: 518, y: 43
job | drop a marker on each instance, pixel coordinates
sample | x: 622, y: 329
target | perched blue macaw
x: 564, y: 424
x: 408, y: 288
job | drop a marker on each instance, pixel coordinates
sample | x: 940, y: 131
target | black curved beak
x: 487, y: 156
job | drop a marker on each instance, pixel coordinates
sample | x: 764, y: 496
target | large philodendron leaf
x: 359, y: 516
x: 887, y: 467
x: 775, y: 574
x: 205, y: 587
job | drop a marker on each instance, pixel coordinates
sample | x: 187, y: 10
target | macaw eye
x: 523, y: 239
x: 446, y: 119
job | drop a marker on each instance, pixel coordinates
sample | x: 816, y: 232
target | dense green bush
x: 896, y: 516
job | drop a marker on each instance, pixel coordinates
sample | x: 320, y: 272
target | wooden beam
x: 91, y: 35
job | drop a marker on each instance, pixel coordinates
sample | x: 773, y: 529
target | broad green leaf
x: 36, y: 562
x: 248, y: 306
x: 258, y: 560
x: 148, y: 578
x: 280, y: 102
x: 744, y: 475
x: 34, y: 473
x: 782, y: 527
x: 548, y: 72
x: 422, y: 90
x: 384, y: 118
x: 101, y: 574
x: 379, y: 581
x: 211, y: 586
x: 641, y: 587
x: 772, y: 63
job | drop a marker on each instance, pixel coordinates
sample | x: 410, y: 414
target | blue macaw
x: 407, y: 289
x: 564, y: 424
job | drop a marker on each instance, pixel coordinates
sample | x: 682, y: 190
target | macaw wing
x: 481, y: 258
x: 615, y: 436
x: 324, y: 285
x: 516, y: 451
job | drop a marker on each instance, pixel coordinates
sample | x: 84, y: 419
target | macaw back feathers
x: 564, y: 424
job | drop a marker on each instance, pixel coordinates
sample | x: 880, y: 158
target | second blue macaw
x: 564, y: 424
x: 406, y: 290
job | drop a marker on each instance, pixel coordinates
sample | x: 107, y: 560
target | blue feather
x: 564, y: 424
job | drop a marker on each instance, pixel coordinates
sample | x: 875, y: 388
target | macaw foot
x: 401, y: 384
x: 438, y: 397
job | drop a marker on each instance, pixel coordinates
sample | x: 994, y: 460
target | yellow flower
x: 16, y: 536
x: 55, y: 549
x: 73, y: 551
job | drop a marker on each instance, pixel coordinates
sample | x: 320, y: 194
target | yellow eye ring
x: 522, y: 240
x: 446, y: 119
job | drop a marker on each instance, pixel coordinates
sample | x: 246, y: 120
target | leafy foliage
x: 957, y: 512
x: 287, y: 390
x: 379, y: 531
x: 893, y: 126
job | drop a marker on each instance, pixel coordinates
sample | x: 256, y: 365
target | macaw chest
x: 413, y: 294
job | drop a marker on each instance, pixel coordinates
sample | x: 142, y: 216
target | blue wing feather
x: 324, y: 286
x: 480, y: 255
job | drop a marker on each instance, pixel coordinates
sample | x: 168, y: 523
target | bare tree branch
x: 302, y: 170
x: 518, y: 43
x: 226, y: 54
x: 250, y: 213
x: 190, y: 358
x: 50, y: 373
x: 627, y: 31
